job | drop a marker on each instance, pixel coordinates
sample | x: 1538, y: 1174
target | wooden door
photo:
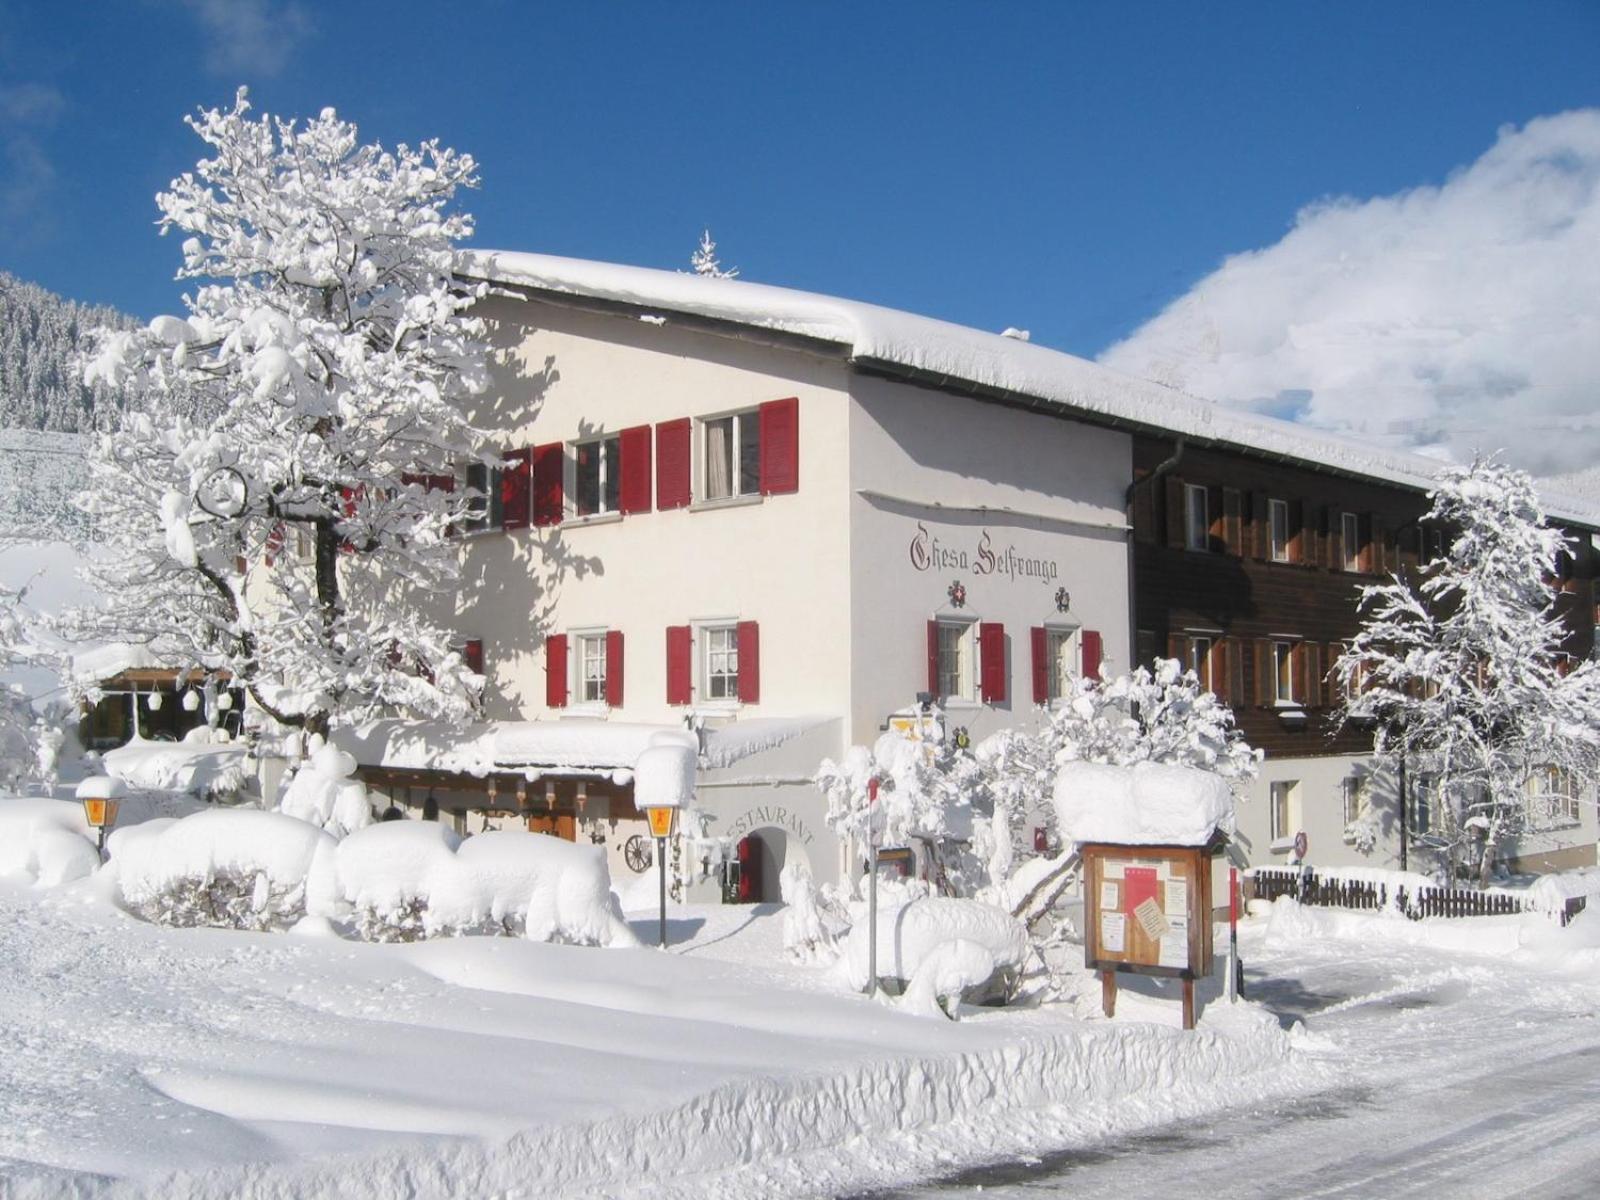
x: 557, y: 824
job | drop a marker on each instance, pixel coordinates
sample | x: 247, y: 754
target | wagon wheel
x: 636, y: 853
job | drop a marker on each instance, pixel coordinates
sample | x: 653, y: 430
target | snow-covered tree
x: 39, y: 342
x: 280, y: 496
x: 1461, y: 669
x: 704, y: 260
x: 1157, y: 715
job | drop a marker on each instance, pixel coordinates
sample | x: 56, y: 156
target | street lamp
x: 101, y: 796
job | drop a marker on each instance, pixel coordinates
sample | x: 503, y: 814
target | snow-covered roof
x: 939, y: 351
x: 110, y: 659
x: 572, y: 745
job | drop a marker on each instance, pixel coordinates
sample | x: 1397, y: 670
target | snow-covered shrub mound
x: 950, y: 971
x: 812, y: 921
x: 912, y: 931
x: 325, y: 792
x: 204, y: 764
x: 235, y: 868
x: 45, y: 841
x: 1147, y: 804
x: 410, y: 879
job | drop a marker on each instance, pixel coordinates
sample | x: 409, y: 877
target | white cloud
x: 1447, y: 319
x: 255, y: 37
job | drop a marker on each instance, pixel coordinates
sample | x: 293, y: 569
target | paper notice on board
x: 1174, y: 948
x: 1177, y: 898
x: 1113, y: 933
x: 1151, y: 919
x: 1110, y: 896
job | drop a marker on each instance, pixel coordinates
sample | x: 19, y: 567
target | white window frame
x: 736, y: 464
x: 965, y: 642
x: 1063, y: 658
x: 1283, y: 681
x: 1203, y: 665
x: 1353, y: 791
x: 493, y: 519
x: 1350, y: 537
x: 1551, y: 797
x: 1278, y: 547
x: 579, y: 640
x: 1283, y: 804
x: 602, y: 478
x: 1424, y: 791
x: 1196, y: 517
x: 705, y: 633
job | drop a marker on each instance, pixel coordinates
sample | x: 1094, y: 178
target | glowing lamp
x: 101, y: 796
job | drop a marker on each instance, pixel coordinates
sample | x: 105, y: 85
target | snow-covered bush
x: 813, y: 920
x: 234, y: 868
x: 45, y: 841
x: 912, y: 931
x: 1145, y: 804
x: 206, y: 764
x: 405, y: 880
x: 325, y: 792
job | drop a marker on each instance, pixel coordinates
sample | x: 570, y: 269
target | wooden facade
x: 1250, y: 571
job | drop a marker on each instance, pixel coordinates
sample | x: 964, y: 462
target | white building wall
x: 942, y: 487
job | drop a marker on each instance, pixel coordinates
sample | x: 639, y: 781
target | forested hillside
x: 40, y: 333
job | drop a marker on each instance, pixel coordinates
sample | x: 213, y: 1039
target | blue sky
x: 1067, y: 168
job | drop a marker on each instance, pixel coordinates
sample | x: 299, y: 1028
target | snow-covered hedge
x: 235, y: 868
x: 45, y: 841
x: 326, y: 793
x: 914, y: 932
x: 405, y: 880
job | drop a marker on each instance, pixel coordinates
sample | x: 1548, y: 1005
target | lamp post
x: 872, y: 887
x: 101, y: 796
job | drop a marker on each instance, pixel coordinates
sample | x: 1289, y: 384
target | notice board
x: 1148, y: 909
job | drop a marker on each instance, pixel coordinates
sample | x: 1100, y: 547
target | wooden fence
x: 1308, y: 887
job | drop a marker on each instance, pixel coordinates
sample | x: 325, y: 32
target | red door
x: 748, y: 853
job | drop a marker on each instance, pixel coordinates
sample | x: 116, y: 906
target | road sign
x: 1300, y: 844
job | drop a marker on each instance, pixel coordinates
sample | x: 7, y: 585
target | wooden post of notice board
x: 1148, y: 911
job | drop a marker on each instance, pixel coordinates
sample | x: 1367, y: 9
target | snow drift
x: 45, y: 841
x: 918, y: 931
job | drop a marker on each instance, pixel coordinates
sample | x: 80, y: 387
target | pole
x: 1235, y: 980
x: 1405, y: 834
x: 661, y: 861
x: 872, y: 890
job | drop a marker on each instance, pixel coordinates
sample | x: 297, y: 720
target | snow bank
x: 578, y: 743
x: 1550, y: 893
x: 45, y: 841
x: 1290, y: 922
x: 325, y: 793
x: 241, y: 868
x: 910, y: 932
x: 1147, y: 804
x: 198, y: 765
x: 410, y: 879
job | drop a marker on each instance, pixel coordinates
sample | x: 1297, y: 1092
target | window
x: 1278, y: 512
x: 591, y: 668
x: 1550, y: 796
x: 720, y: 662
x: 731, y: 460
x: 955, y: 659
x: 485, y: 509
x: 597, y: 477
x: 1062, y: 656
x: 1355, y: 796
x: 1196, y: 518
x: 1283, y: 673
x: 1420, y: 803
x: 1350, y: 540
x: 1202, y: 662
x: 1284, y: 795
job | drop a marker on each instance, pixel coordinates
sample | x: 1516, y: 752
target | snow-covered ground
x: 143, y: 1060
x: 148, y: 1061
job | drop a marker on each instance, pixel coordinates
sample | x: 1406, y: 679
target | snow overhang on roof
x: 940, y: 354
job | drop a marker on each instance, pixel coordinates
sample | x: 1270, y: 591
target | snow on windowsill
x: 725, y: 502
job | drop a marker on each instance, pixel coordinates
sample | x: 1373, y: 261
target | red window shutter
x: 678, y: 689
x: 614, y: 668
x: 276, y: 537
x: 1266, y: 674
x: 1177, y: 514
x: 1040, y: 639
x: 555, y: 670
x: 1093, y: 653
x: 749, y: 662
x: 933, y: 657
x: 672, y: 464
x: 442, y: 483
x: 992, y: 661
x: 780, y: 446
x: 548, y: 466
x: 633, y: 450
x: 514, y: 489
x: 472, y: 655
x: 407, y: 478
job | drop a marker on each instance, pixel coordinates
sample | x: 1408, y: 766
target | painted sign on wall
x: 984, y: 557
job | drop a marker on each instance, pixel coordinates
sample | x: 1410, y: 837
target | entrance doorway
x: 761, y: 856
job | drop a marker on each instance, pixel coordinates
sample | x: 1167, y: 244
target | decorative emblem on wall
x: 1063, y: 599
x: 961, y: 737
x: 958, y: 594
